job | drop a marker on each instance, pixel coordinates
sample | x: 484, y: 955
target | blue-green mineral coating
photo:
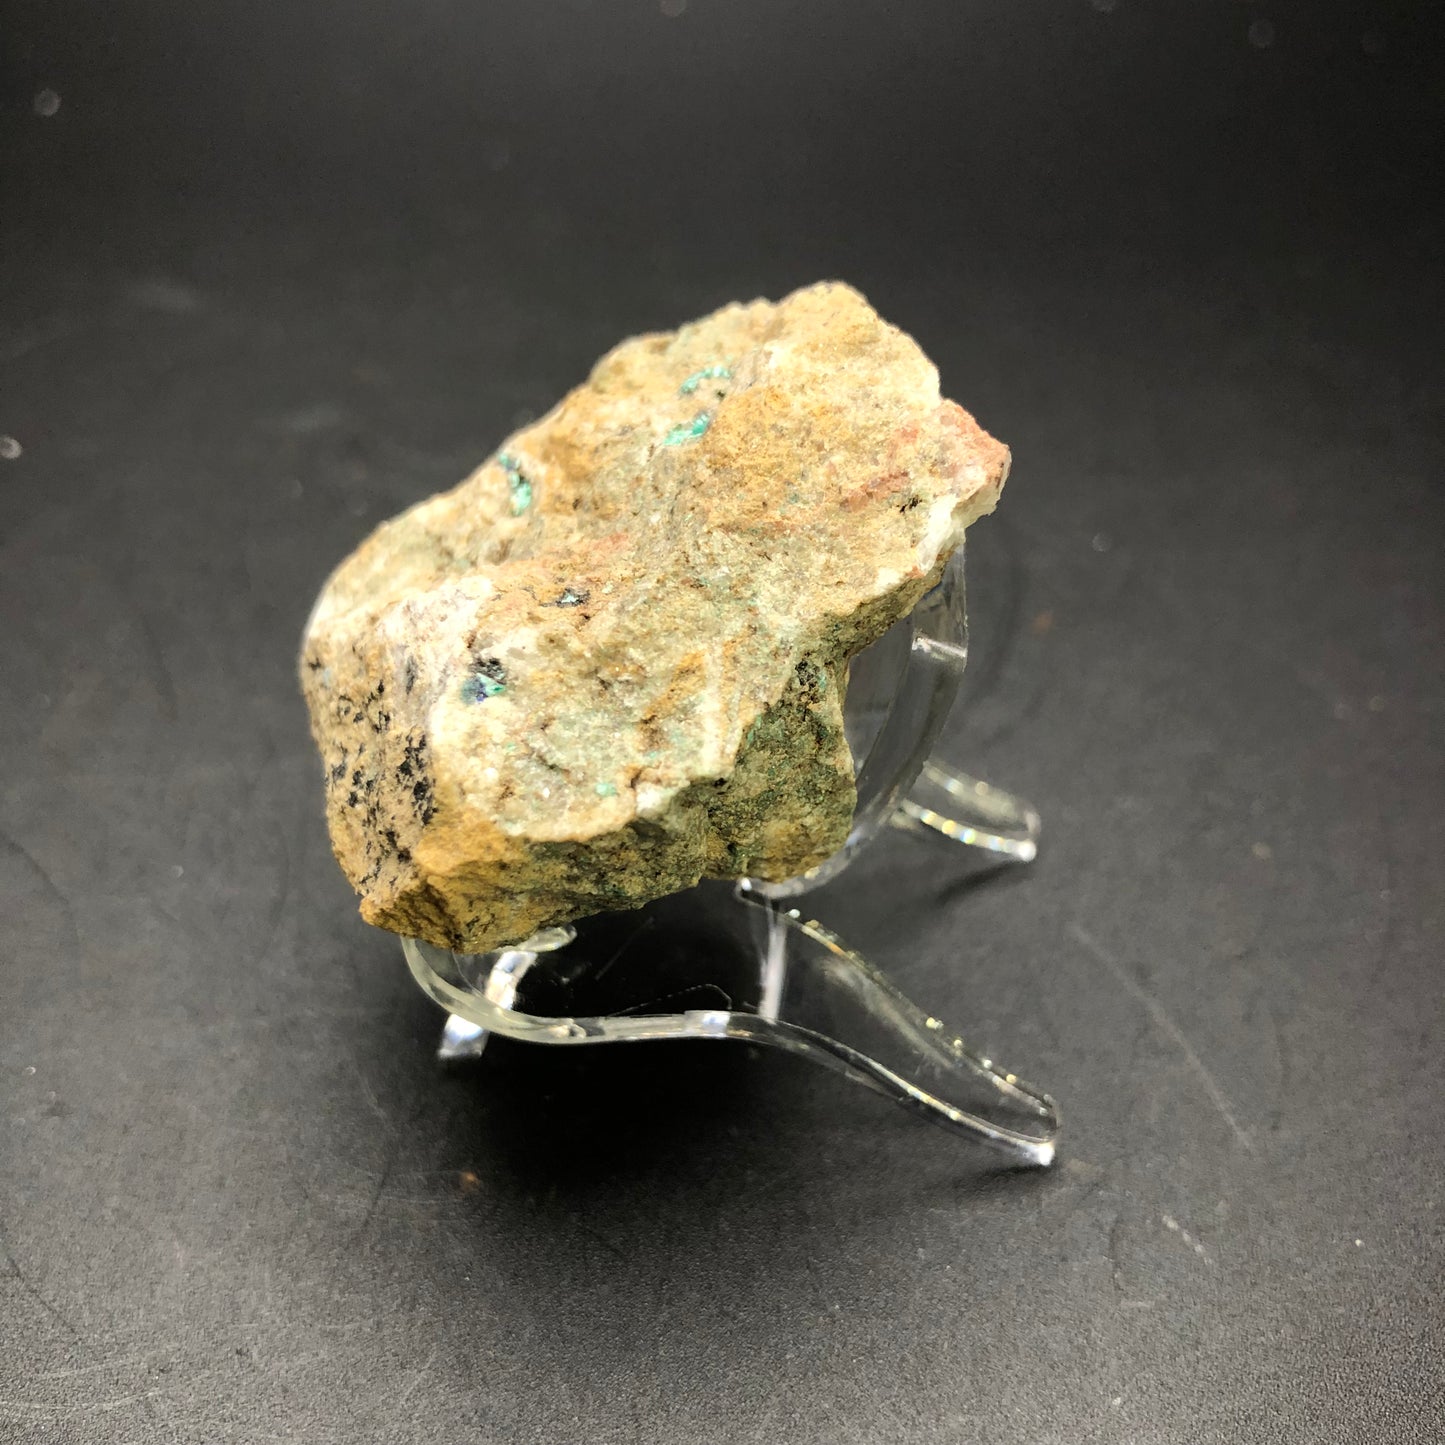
x: 486, y: 679
x: 708, y: 373
x: 519, y: 486
x: 688, y: 430
x: 477, y: 689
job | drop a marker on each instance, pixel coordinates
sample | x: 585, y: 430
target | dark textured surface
x: 265, y: 284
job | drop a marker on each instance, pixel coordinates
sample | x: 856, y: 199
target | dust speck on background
x: 46, y: 102
x: 10, y: 448
x: 1261, y: 34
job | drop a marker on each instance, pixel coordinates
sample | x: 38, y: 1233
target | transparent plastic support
x: 720, y: 962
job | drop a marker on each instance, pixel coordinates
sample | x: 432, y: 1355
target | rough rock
x: 613, y: 660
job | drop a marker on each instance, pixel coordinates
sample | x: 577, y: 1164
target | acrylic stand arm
x: 966, y: 810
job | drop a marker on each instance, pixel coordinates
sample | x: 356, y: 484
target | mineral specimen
x: 613, y: 660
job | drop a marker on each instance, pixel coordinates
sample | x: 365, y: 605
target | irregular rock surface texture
x: 613, y: 660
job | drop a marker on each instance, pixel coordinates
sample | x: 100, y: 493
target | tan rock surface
x: 612, y: 661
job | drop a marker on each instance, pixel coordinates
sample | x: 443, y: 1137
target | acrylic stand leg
x: 823, y: 1000
x: 461, y: 1039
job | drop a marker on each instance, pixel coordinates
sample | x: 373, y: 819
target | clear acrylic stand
x: 735, y: 962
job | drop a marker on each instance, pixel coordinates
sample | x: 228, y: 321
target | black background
x: 272, y: 272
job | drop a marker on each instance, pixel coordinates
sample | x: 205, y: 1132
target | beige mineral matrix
x: 612, y: 661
